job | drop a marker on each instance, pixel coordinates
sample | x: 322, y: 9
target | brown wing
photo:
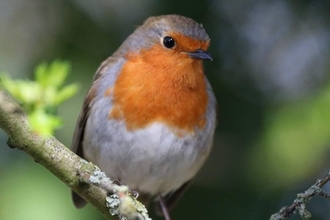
x: 78, y: 137
x: 78, y: 134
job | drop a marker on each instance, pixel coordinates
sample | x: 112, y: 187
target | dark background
x: 270, y: 74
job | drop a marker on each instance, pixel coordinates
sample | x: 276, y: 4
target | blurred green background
x: 270, y: 74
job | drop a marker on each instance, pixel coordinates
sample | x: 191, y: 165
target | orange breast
x: 160, y: 85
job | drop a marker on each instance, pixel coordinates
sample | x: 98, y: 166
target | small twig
x: 324, y: 194
x: 322, y: 182
x: 299, y: 204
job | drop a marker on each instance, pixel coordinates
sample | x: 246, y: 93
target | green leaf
x: 24, y: 91
x: 49, y: 96
x: 41, y: 97
x: 40, y: 74
x: 43, y: 123
x: 66, y: 93
x: 52, y: 75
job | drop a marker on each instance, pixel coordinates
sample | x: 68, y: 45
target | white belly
x: 151, y: 160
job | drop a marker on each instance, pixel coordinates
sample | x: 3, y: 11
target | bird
x: 149, y: 117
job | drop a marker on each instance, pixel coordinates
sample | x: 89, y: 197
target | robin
x: 149, y: 117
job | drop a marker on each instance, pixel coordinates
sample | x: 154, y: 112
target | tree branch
x: 299, y: 203
x: 51, y: 154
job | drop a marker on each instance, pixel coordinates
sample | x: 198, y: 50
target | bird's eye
x: 168, y: 42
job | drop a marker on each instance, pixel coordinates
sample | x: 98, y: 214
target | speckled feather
x: 160, y: 155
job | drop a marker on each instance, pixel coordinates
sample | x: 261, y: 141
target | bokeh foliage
x: 41, y: 97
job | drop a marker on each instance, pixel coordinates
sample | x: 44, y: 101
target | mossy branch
x: 50, y: 153
x: 299, y: 204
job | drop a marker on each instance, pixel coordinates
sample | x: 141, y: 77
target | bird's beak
x: 200, y: 54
